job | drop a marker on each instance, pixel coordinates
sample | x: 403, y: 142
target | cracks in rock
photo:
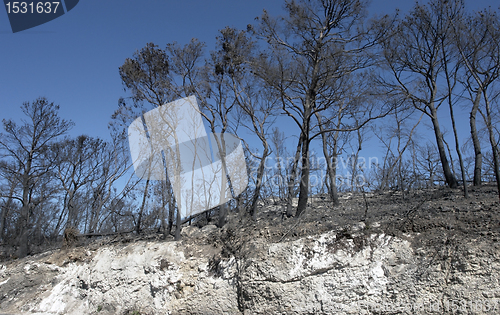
x: 320, y: 301
x: 153, y: 290
x: 316, y: 272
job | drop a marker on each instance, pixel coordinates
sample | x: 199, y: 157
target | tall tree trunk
x: 292, y: 177
x: 452, y: 116
x: 169, y: 199
x: 222, y: 215
x: 330, y: 166
x: 457, y: 143
x: 457, y: 146
x: 478, y: 156
x: 221, y: 146
x: 333, y: 176
x: 141, y: 210
x: 178, y: 223
x: 354, y: 164
x: 71, y: 211
x: 171, y: 211
x: 5, y: 212
x: 258, y: 185
x: 178, y: 219
x: 450, y: 179
x: 163, y: 223
x: 59, y: 222
x: 3, y: 220
x: 308, y: 109
x: 304, y: 178
x: 23, y: 239
x: 493, y: 143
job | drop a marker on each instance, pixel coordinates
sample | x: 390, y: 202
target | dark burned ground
x: 440, y: 220
x: 433, y: 217
x: 455, y: 240
x: 427, y: 214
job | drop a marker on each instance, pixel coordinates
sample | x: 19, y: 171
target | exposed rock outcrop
x: 433, y: 253
x: 333, y: 273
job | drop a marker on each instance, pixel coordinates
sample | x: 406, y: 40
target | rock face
x: 143, y: 277
x: 377, y: 274
x: 355, y: 272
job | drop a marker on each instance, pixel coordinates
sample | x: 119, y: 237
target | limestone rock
x: 330, y: 273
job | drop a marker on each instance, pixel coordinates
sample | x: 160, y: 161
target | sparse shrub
x: 70, y: 237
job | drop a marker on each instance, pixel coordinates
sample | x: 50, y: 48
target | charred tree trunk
x: 460, y: 159
x: 5, y: 212
x: 171, y: 210
x: 494, y: 147
x: 141, y: 210
x: 292, y: 177
x: 331, y: 162
x: 258, y: 185
x: 23, y: 239
x: 304, y: 178
x: 450, y: 179
x: 478, y: 156
x: 452, y: 116
x: 178, y: 224
x: 171, y: 206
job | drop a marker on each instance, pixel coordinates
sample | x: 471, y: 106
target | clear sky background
x: 73, y: 60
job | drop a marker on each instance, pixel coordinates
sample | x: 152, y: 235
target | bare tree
x: 428, y: 164
x: 478, y: 41
x: 102, y: 196
x: 11, y: 174
x: 148, y: 75
x: 475, y: 39
x: 156, y: 76
x: 317, y: 43
x: 353, y: 100
x: 213, y: 81
x: 413, y: 54
x: 392, y: 168
x: 493, y: 140
x: 77, y: 161
x: 27, y: 146
x: 258, y: 107
x: 256, y: 102
x: 452, y: 66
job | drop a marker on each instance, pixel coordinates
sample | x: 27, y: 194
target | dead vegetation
x: 432, y: 216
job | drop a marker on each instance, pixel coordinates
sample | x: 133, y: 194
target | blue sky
x: 74, y: 60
